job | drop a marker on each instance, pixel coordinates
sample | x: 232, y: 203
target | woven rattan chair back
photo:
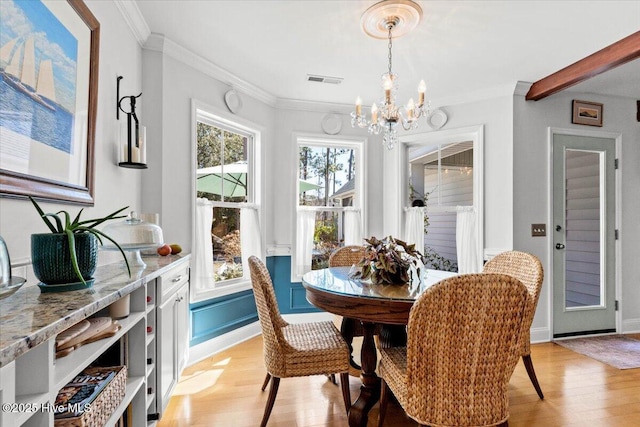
x: 528, y: 269
x: 296, y: 349
x: 463, y: 337
x: 346, y: 256
x: 271, y: 321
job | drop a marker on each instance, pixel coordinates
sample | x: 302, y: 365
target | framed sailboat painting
x: 48, y: 98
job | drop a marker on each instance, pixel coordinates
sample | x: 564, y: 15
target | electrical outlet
x: 538, y: 230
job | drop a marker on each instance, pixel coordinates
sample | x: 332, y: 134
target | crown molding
x: 134, y: 19
x: 160, y: 43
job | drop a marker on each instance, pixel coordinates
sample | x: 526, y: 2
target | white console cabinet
x: 172, y: 342
x: 153, y: 342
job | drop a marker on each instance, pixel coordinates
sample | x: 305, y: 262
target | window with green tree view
x: 328, y: 183
x: 224, y: 176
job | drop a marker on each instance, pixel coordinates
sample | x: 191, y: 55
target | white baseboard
x: 216, y: 345
x: 540, y: 335
x: 631, y: 326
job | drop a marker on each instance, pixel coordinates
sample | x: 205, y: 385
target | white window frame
x: 359, y: 201
x: 440, y: 138
x: 202, y: 112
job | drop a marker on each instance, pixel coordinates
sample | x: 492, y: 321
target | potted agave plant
x: 388, y: 261
x: 66, y: 258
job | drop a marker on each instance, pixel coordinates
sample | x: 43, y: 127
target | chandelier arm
x: 406, y: 125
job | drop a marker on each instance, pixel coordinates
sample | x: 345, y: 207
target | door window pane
x: 583, y: 243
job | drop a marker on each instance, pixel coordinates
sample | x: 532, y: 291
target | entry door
x: 583, y: 235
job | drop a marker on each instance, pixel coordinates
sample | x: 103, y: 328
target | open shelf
x: 66, y: 368
x: 150, y: 337
x: 150, y: 398
x: 150, y: 369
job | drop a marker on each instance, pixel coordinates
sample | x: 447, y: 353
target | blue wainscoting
x: 218, y: 316
x: 291, y: 296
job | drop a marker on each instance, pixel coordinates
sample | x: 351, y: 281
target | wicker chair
x: 463, y: 345
x: 347, y: 256
x: 296, y: 349
x: 528, y: 269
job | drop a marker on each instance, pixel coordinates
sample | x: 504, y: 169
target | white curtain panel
x: 466, y: 241
x: 203, y: 257
x: 352, y: 227
x: 304, y: 240
x: 250, y: 235
x: 414, y: 227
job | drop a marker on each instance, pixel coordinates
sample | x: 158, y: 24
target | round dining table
x: 382, y: 309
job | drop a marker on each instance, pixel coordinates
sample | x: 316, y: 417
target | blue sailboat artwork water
x: 38, y: 58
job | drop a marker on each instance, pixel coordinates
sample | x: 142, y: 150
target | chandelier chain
x: 390, y: 45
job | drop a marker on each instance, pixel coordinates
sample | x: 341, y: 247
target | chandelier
x: 380, y: 21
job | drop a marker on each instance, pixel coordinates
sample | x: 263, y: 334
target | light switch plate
x: 538, y: 230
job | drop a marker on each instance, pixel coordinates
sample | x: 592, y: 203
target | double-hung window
x: 445, y: 173
x: 329, y: 200
x: 227, y: 229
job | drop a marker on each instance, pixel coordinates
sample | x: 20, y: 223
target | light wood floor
x: 224, y: 390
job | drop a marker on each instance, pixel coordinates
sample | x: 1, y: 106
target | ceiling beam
x: 618, y: 53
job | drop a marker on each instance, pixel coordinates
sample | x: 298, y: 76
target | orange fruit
x: 164, y: 250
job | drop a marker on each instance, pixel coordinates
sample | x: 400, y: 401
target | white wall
x: 531, y: 183
x: 115, y: 187
x: 170, y: 84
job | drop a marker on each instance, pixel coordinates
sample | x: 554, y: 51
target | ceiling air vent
x: 324, y: 79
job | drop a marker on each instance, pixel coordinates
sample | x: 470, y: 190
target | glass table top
x: 337, y: 280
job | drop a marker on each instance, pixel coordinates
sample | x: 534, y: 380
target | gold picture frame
x: 586, y: 113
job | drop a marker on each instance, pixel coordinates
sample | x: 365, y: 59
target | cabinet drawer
x: 172, y: 280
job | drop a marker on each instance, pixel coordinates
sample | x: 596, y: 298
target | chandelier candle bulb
x: 358, y: 106
x: 374, y: 114
x: 422, y: 87
x: 388, y: 84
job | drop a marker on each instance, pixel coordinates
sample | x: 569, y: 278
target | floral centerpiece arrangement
x: 388, y: 261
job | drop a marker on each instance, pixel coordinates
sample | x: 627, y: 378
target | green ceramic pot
x: 51, y: 257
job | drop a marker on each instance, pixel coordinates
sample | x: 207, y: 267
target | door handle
x: 559, y: 246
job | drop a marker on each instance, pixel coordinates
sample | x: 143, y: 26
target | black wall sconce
x: 133, y: 137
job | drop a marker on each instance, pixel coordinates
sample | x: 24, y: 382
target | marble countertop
x: 29, y: 317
